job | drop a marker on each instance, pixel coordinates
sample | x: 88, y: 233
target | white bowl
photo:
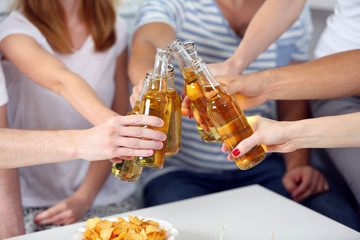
x: 171, y: 232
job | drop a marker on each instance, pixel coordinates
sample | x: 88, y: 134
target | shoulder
x: 17, y: 23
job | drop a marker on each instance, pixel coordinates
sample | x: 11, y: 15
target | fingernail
x: 163, y: 137
x: 236, y: 152
x: 159, y: 145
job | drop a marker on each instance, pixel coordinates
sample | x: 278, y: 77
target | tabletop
x: 247, y: 213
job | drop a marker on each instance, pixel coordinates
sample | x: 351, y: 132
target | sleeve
x: 302, y: 45
x: 170, y: 12
x: 3, y: 93
x: 16, y: 23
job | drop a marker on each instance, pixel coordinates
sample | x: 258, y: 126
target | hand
x: 248, y: 90
x: 304, y: 181
x: 274, y: 135
x: 65, y: 212
x: 228, y: 67
x: 121, y: 137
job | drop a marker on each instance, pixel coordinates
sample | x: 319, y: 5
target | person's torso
x: 203, y: 22
x: 342, y: 31
x: 34, y: 107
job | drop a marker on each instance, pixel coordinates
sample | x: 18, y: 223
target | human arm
x: 145, y: 41
x: 11, y: 217
x: 300, y: 179
x: 271, y: 20
x: 118, y: 136
x: 286, y: 136
x: 51, y: 73
x: 332, y: 76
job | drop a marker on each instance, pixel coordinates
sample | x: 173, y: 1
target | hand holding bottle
x: 121, y: 137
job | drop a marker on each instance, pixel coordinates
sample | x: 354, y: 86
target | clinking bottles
x: 227, y: 116
x: 127, y: 170
x: 193, y: 88
x: 155, y: 102
x: 173, y: 142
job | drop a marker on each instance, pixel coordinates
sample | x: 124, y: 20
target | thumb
x: 247, y: 144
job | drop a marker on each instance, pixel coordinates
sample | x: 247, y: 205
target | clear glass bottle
x: 155, y: 102
x: 173, y: 142
x: 227, y: 116
x: 192, y: 86
x: 127, y: 170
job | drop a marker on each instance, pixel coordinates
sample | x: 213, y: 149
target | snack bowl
x: 171, y: 232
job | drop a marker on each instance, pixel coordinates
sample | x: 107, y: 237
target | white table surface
x: 248, y: 213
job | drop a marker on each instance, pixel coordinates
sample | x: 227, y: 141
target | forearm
x: 332, y: 76
x: 27, y: 147
x: 94, y: 180
x: 51, y: 73
x: 326, y: 132
x: 145, y: 41
x: 83, y: 98
x: 269, y: 23
x: 293, y: 111
x: 11, y: 216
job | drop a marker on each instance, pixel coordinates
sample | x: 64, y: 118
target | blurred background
x: 320, y: 10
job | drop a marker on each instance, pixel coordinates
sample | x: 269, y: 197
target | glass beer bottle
x: 155, y: 102
x: 173, y: 141
x: 127, y: 170
x: 227, y: 116
x: 192, y: 87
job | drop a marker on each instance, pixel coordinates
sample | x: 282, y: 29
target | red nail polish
x: 236, y: 152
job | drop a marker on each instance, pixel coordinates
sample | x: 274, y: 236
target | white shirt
x: 34, y: 107
x: 3, y: 93
x: 342, y: 32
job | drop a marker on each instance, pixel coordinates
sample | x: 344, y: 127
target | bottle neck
x: 202, y: 72
x: 145, y: 87
x: 159, y: 84
x: 160, y: 73
x: 181, y: 56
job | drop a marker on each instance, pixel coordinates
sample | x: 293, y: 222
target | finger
x: 63, y: 218
x: 138, y: 143
x: 305, y: 189
x: 289, y: 184
x: 47, y: 216
x: 130, y: 152
x: 139, y: 120
x: 141, y: 132
x: 224, y: 148
x: 249, y: 143
x: 186, y: 106
x: 230, y: 157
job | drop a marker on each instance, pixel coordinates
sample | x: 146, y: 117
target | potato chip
x: 134, y: 229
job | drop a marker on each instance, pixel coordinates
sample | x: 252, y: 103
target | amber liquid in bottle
x: 155, y: 103
x: 173, y: 142
x: 232, y: 125
x: 195, y: 93
x: 127, y: 170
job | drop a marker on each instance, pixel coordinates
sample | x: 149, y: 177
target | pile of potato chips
x: 134, y: 229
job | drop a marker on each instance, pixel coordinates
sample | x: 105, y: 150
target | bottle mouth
x: 175, y: 46
x: 162, y: 53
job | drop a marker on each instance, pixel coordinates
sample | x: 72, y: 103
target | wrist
x: 236, y: 65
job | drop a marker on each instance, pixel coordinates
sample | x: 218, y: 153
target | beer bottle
x: 127, y: 170
x: 173, y: 142
x: 227, y: 116
x: 192, y: 87
x: 155, y: 102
